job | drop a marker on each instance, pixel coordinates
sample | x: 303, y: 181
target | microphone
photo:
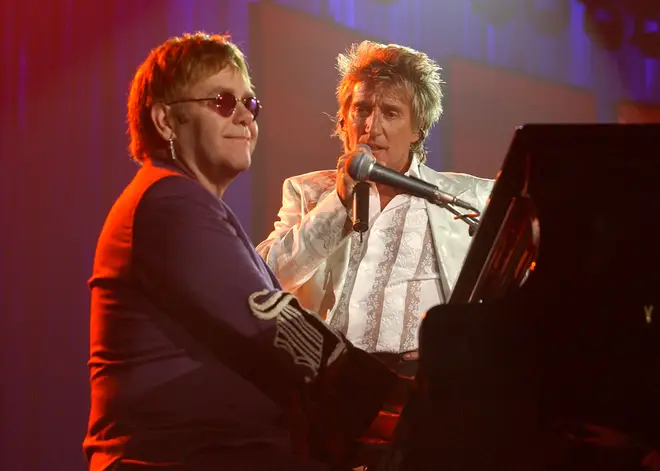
x: 361, y: 203
x: 361, y: 208
x: 363, y: 167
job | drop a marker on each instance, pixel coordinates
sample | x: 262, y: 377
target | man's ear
x: 417, y: 136
x: 160, y: 118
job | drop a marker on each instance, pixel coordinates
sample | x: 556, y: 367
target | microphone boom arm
x: 363, y: 167
x: 448, y: 201
x: 471, y: 219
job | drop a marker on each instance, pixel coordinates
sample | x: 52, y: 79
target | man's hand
x: 345, y: 184
x: 412, y: 355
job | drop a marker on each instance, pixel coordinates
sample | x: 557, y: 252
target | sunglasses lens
x: 253, y: 106
x: 226, y: 104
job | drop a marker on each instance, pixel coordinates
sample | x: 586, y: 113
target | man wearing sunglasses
x: 198, y: 360
x: 375, y: 288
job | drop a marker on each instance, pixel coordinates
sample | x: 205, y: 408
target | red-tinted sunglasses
x: 225, y: 104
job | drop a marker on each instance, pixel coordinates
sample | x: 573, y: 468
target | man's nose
x: 373, y: 125
x: 242, y: 115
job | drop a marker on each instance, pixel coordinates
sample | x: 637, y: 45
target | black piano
x: 555, y: 319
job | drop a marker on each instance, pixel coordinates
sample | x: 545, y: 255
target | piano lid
x: 589, y: 195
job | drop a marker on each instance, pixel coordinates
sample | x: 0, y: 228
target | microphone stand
x: 448, y: 201
x: 471, y: 219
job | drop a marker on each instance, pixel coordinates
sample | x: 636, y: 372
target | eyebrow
x: 391, y: 107
x: 385, y: 106
x: 363, y: 102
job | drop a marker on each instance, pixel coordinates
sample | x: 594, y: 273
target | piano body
x: 551, y: 321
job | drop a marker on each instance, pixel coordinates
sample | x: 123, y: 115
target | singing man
x: 375, y: 290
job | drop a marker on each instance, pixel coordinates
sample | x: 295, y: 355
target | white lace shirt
x: 392, y: 277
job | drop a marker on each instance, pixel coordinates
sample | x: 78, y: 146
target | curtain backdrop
x: 66, y: 67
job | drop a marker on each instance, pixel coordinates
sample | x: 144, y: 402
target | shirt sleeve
x: 191, y: 263
x: 186, y: 250
x: 301, y: 241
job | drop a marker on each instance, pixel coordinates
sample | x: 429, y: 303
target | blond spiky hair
x: 396, y: 66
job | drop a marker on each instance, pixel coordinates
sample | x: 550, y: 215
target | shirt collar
x: 413, y: 170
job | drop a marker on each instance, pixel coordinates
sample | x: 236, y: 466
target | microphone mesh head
x: 360, y: 164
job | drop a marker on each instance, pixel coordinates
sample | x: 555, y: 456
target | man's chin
x: 242, y: 165
x: 232, y: 167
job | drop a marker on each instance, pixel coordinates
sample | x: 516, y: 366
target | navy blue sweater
x: 182, y: 372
